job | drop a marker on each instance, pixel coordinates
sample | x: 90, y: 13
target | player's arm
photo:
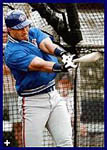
x: 49, y: 47
x: 46, y: 44
x: 38, y: 64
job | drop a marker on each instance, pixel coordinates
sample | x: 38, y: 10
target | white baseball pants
x: 46, y: 110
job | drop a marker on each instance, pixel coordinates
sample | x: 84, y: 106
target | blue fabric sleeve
x: 20, y: 60
x: 39, y: 35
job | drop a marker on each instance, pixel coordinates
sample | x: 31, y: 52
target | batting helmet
x: 16, y: 19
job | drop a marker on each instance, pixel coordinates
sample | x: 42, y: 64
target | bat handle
x: 76, y: 60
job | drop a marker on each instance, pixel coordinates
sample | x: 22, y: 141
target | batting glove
x: 59, y: 53
x: 67, y: 59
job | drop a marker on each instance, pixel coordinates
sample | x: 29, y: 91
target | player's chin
x: 24, y: 38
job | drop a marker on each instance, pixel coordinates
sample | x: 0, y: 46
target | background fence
x: 83, y: 89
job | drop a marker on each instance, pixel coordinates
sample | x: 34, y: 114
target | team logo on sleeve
x: 34, y: 42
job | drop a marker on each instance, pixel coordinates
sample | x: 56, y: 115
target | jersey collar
x: 12, y: 39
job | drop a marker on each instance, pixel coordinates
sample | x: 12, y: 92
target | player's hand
x: 67, y: 59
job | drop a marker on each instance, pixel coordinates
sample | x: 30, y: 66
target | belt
x: 50, y: 89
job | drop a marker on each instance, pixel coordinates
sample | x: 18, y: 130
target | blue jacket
x: 19, y: 54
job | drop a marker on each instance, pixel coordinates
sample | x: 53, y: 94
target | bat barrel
x: 92, y: 57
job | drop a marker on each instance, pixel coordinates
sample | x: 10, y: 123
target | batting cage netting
x: 79, y: 28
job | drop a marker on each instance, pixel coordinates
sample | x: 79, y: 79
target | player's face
x: 20, y: 34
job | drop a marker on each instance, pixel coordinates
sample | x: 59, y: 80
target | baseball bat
x: 92, y: 57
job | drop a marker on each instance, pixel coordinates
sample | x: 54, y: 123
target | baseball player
x: 32, y: 58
